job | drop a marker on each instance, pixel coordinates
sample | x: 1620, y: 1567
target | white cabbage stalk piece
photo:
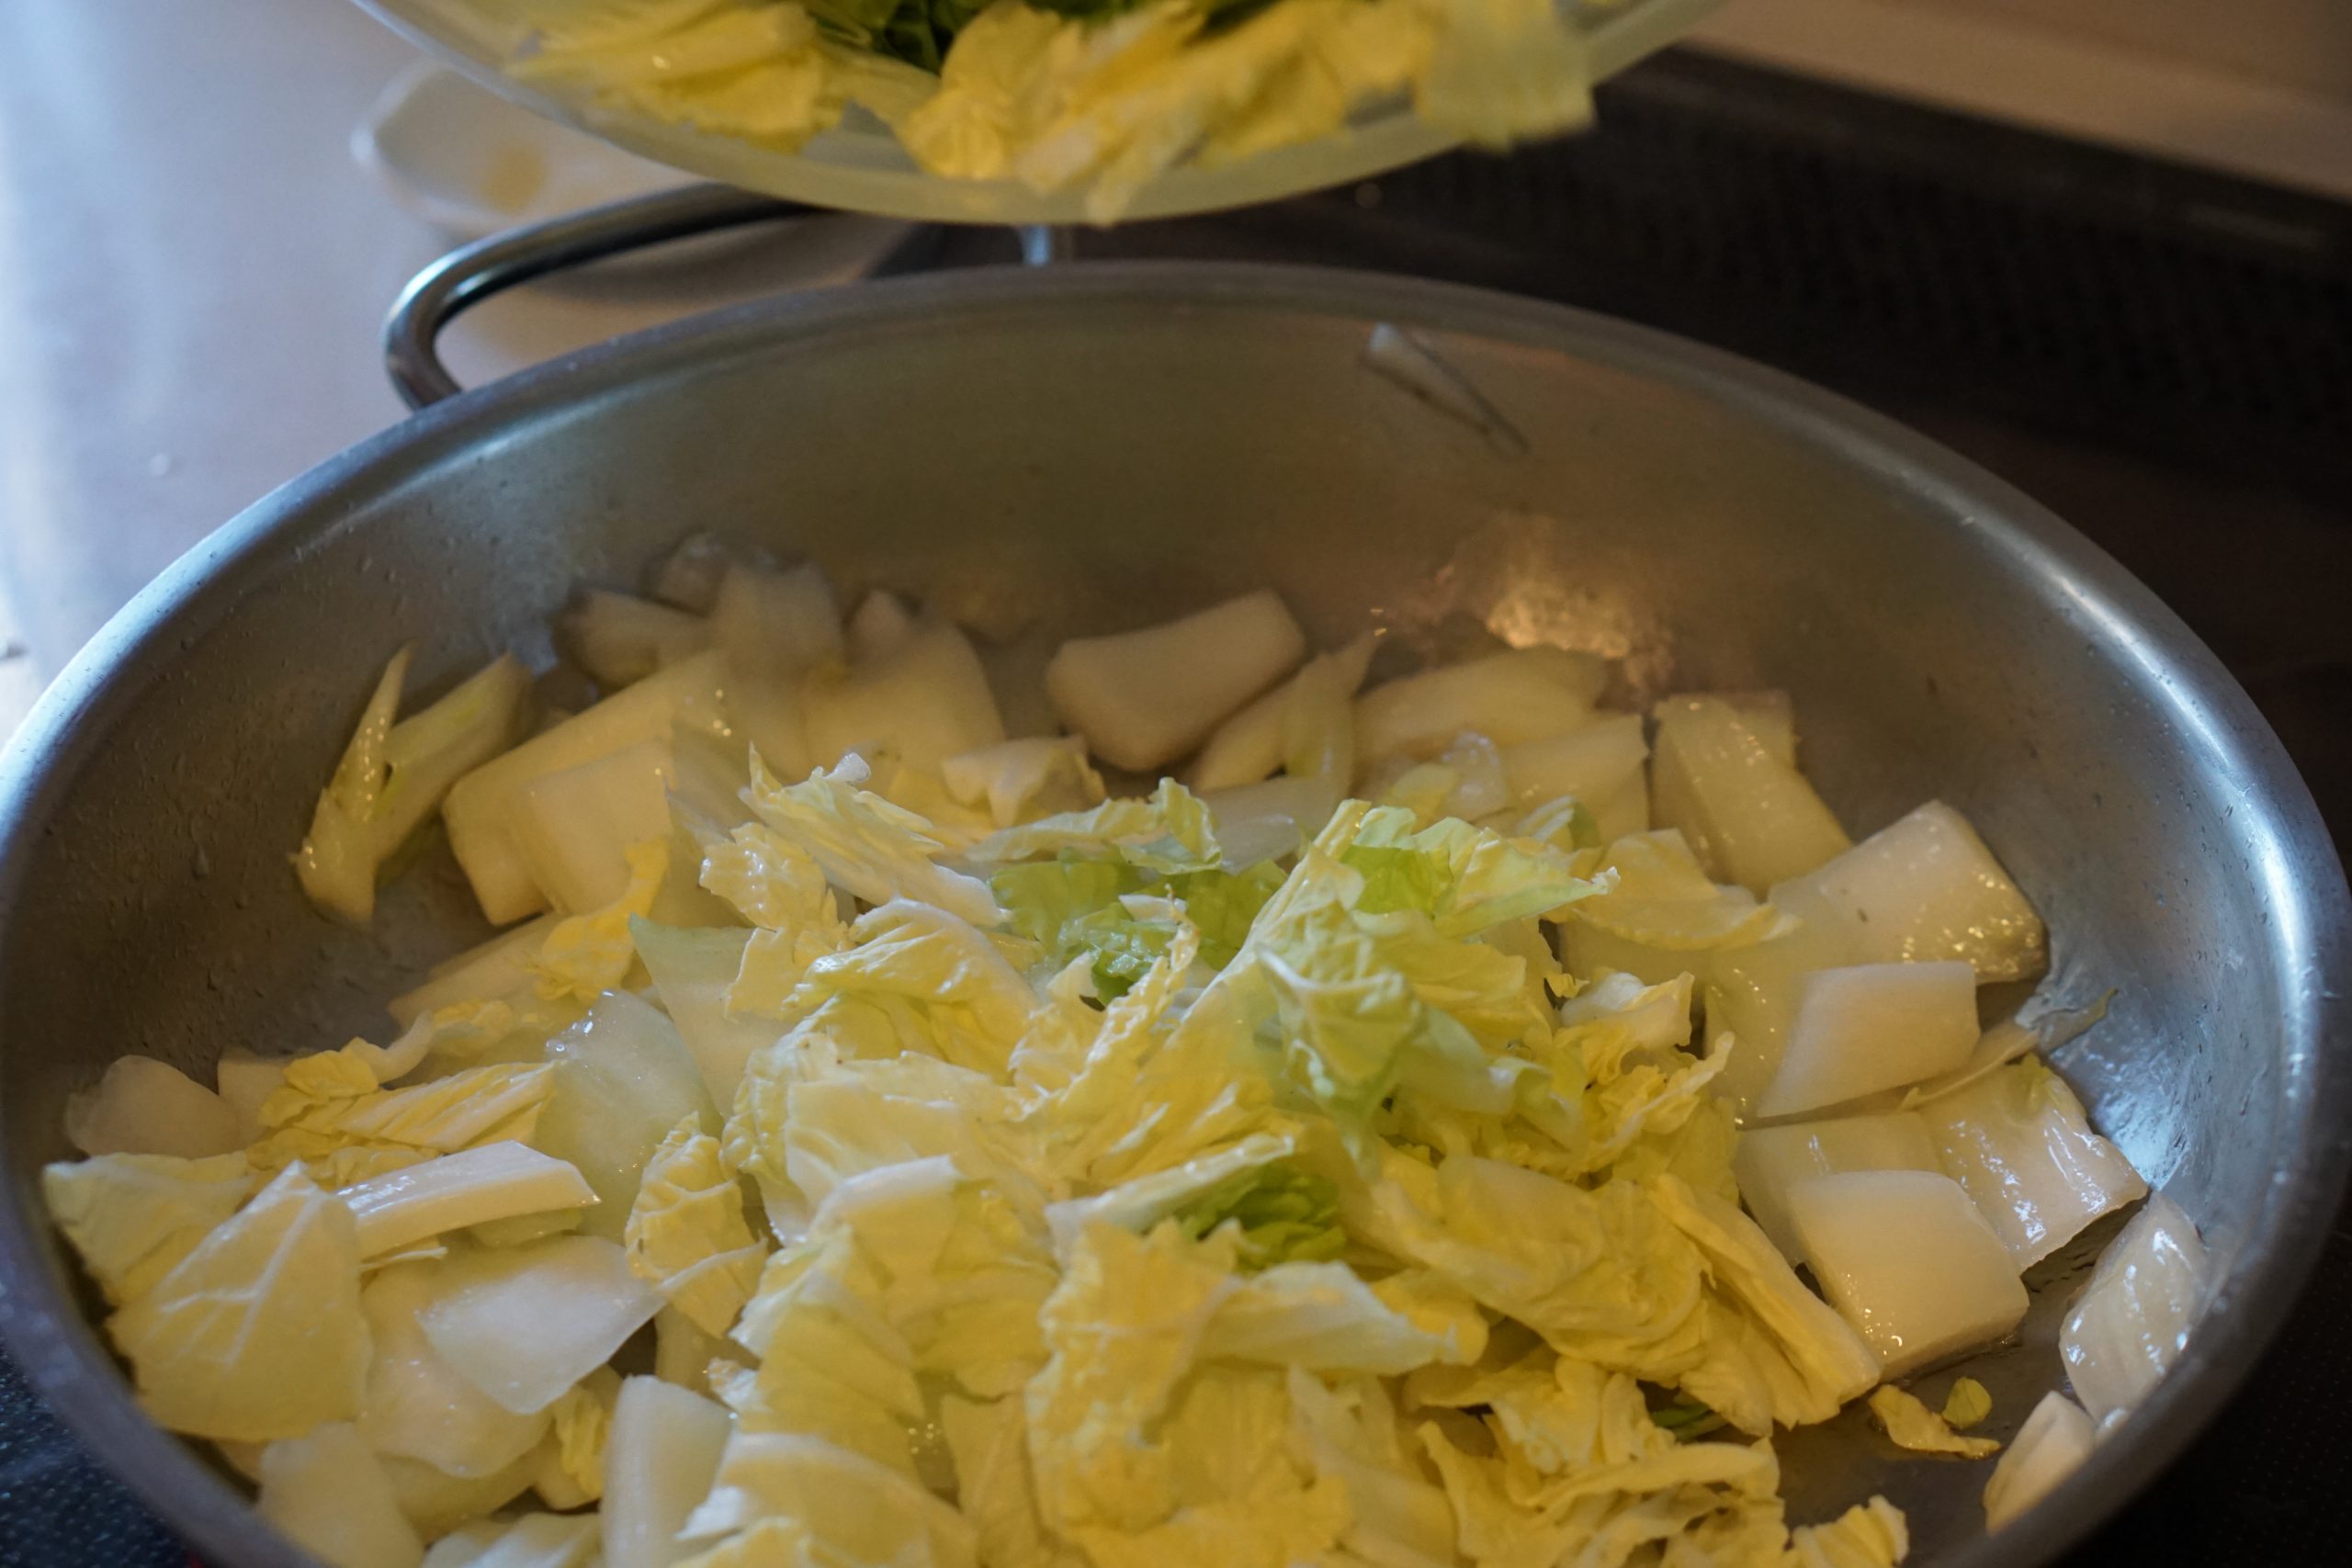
x: 1904, y: 1257
x: 2133, y: 1320
x: 879, y: 624
x: 1599, y: 764
x: 328, y: 1493
x: 1923, y: 888
x: 523, y: 1324
x: 487, y: 972
x: 693, y: 970
x: 141, y: 1106
x: 419, y: 1407
x: 1144, y: 698
x: 1770, y: 716
x: 243, y: 1080
x: 1258, y: 821
x: 1771, y: 1160
x: 472, y: 1187
x: 1869, y: 1027
x: 2050, y: 1447
x: 1249, y: 748
x: 924, y: 700
x: 659, y: 1464
x: 623, y: 1078
x: 574, y: 825
x: 534, y: 1540
x: 481, y: 807
x: 1523, y: 695
x: 1751, y: 993
x: 1750, y: 815
x: 391, y: 776
x: 774, y: 628
x: 619, y: 640
x: 2019, y: 1141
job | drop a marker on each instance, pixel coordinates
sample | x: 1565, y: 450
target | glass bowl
x: 859, y: 167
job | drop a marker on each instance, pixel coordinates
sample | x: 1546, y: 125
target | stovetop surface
x: 2164, y: 358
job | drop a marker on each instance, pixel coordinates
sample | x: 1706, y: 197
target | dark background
x: 2162, y: 356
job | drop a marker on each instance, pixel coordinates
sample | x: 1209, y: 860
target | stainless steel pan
x: 1090, y: 447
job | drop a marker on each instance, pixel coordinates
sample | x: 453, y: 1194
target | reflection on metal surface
x: 1529, y: 580
x: 1403, y: 357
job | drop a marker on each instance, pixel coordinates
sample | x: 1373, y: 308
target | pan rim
x: 59, y: 1350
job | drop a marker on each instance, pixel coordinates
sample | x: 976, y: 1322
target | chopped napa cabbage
x: 439, y: 1504
x: 834, y: 1505
x: 391, y: 776
x: 1590, y: 763
x: 867, y: 847
x: 880, y: 626
x: 571, y: 1472
x: 1167, y: 832
x: 1353, y: 1435
x: 523, y: 1324
x: 1523, y: 694
x: 618, y: 638
x: 1297, y: 722
x: 1658, y: 915
x: 961, y: 996
x: 1966, y: 1403
x: 2052, y: 1445
x: 1277, y: 1214
x: 622, y: 1079
x: 2132, y: 1321
x: 325, y: 1491
x: 256, y: 1334
x: 473, y: 1186
x: 132, y: 1217
x: 575, y: 826
x: 1868, y: 1535
x: 497, y: 969
x: 480, y: 809
x: 685, y: 1357
x: 806, y: 1120
x: 1871, y: 1027
x: 1021, y: 780
x: 1771, y: 1160
x: 417, y: 1406
x: 1911, y: 1424
x: 243, y: 1080
x: 922, y: 701
x: 590, y: 954
x: 1749, y: 815
x: 1112, y: 913
x: 779, y: 888
x: 141, y: 1106
x: 687, y: 1236
x: 351, y: 1132
x: 1322, y: 1317
x: 1786, y: 1358
x: 2019, y: 1141
x: 1144, y: 698
x: 1909, y: 1262
x: 533, y: 1540
x: 1924, y: 889
x: 1123, y: 1328
x: 692, y: 971
x: 1464, y: 780
x: 659, y: 1462
x: 988, y: 1442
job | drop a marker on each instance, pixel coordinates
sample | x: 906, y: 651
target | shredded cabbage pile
x: 1048, y: 1184
x: 1097, y: 95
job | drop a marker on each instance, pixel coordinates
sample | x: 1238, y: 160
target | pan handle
x: 467, y: 277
